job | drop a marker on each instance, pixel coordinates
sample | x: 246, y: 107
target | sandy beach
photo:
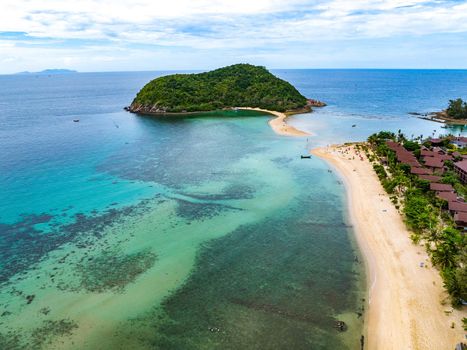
x: 279, y: 124
x: 407, y: 306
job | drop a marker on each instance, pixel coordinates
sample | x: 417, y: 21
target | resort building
x: 441, y: 187
x: 457, y: 207
x: 461, y: 219
x: 436, y: 141
x: 447, y: 196
x: 431, y: 178
x: 420, y: 171
x: 434, y: 163
x: 460, y: 141
x: 425, y: 152
x: 461, y: 170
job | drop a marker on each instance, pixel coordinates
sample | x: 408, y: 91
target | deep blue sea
x: 121, y: 231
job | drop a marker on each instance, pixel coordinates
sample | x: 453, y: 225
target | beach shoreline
x: 279, y: 124
x: 404, y: 308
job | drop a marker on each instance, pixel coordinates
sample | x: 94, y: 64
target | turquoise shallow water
x: 207, y: 232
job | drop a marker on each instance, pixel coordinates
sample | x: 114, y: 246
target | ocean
x: 207, y: 232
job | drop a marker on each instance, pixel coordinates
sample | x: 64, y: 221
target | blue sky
x: 114, y: 35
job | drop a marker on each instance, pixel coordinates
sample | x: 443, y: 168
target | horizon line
x: 74, y: 71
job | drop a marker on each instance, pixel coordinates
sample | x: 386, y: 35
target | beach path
x: 405, y: 305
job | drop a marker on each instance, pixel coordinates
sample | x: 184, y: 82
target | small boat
x: 76, y: 120
x: 305, y: 157
x: 354, y: 125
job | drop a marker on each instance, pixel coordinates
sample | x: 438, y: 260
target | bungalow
x: 434, y: 163
x: 393, y: 145
x: 436, y: 141
x: 406, y: 157
x: 443, y: 156
x: 420, y: 171
x: 431, y: 178
x: 461, y: 170
x: 447, y: 196
x: 460, y: 141
x: 441, y: 187
x: 427, y: 153
x: 438, y: 150
x: 461, y: 219
x: 458, y: 207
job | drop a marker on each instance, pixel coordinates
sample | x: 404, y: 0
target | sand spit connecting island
x: 279, y: 124
x: 405, y: 308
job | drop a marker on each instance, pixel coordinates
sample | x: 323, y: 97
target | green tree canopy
x: 240, y: 85
x: 457, y: 109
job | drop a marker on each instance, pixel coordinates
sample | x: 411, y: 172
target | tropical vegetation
x: 424, y: 213
x: 240, y: 85
x: 457, y: 109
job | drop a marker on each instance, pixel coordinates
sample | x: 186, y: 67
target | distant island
x: 455, y: 113
x: 49, y: 72
x: 239, y: 85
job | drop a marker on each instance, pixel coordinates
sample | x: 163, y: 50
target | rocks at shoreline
x: 439, y: 117
x: 155, y: 109
x: 315, y: 103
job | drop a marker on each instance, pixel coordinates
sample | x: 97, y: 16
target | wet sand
x: 407, y: 305
x: 278, y: 124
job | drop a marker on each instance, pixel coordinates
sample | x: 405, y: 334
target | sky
x: 142, y: 35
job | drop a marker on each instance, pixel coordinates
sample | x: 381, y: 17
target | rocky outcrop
x: 315, y: 103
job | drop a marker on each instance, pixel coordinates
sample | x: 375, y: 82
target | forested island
x: 455, y: 113
x: 239, y: 85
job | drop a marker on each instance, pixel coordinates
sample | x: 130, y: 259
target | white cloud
x: 67, y: 28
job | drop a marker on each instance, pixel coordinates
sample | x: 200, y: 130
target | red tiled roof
x: 456, y: 154
x: 421, y: 171
x: 426, y: 152
x: 433, y: 162
x: 458, y: 206
x: 461, y: 139
x: 412, y: 163
x: 432, y: 178
x: 438, y: 150
x: 443, y: 156
x: 436, y: 140
x: 441, y: 187
x: 447, y: 196
x: 393, y: 145
x: 460, y: 218
x: 462, y: 165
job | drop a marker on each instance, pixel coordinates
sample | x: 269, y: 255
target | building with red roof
x: 460, y: 141
x: 421, y: 171
x: 461, y: 219
x: 436, y: 141
x: 441, y: 187
x: 434, y: 163
x: 458, y: 207
x: 447, y: 196
x: 431, y: 178
x: 427, y: 153
x: 461, y: 169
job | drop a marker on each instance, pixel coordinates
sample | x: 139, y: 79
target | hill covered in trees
x: 240, y: 85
